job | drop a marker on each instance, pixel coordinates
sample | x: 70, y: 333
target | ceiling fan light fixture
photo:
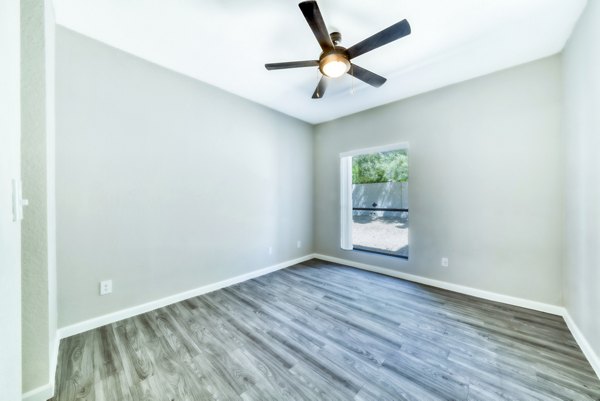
x: 334, y: 65
x: 334, y: 60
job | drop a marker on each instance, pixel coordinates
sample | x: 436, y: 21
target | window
x: 374, y: 200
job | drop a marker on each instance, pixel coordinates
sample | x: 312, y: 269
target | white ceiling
x: 227, y: 42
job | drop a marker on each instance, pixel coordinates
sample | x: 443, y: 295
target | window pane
x: 380, y: 202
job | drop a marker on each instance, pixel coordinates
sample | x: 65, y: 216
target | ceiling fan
x: 334, y: 61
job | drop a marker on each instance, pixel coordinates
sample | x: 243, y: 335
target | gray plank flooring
x: 321, y: 331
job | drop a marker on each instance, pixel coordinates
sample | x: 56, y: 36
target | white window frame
x: 346, y: 188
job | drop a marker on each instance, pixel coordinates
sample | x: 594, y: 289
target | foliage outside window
x: 380, y: 167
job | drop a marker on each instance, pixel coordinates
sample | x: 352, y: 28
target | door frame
x: 10, y: 201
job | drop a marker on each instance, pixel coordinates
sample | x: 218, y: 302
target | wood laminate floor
x: 320, y: 331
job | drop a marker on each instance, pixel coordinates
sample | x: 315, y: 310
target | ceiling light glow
x: 335, y: 69
x: 334, y: 65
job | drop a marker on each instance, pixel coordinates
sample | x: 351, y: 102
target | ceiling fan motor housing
x: 336, y: 38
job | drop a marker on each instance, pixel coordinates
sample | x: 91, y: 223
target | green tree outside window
x: 380, y: 167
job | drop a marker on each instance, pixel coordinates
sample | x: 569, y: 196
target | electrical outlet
x: 299, y: 244
x: 105, y: 287
x: 270, y: 250
x: 444, y: 262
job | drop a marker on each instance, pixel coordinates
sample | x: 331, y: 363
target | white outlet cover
x: 270, y: 250
x: 105, y: 287
x: 444, y: 262
x: 299, y: 244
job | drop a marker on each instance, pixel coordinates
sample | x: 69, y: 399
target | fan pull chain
x: 319, y: 76
x: 352, y: 79
x: 318, y: 80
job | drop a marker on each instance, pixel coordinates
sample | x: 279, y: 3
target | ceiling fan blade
x: 389, y: 34
x: 366, y: 76
x: 313, y: 16
x: 321, y: 87
x: 292, y: 64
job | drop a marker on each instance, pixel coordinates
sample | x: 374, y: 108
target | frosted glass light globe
x: 334, y: 65
x: 335, y: 69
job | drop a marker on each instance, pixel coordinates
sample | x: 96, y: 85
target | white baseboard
x: 99, y: 321
x: 585, y: 346
x: 42, y: 393
x: 492, y: 296
x: 81, y: 327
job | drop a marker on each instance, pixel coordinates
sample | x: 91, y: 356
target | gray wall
x: 582, y: 131
x: 165, y: 184
x: 486, y: 185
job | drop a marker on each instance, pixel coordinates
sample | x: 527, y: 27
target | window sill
x: 383, y: 253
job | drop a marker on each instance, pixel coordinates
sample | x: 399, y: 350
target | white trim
x: 492, y: 296
x: 585, y: 346
x: 103, y: 320
x: 376, y: 149
x: 346, y: 203
x: 42, y: 393
x: 48, y: 390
